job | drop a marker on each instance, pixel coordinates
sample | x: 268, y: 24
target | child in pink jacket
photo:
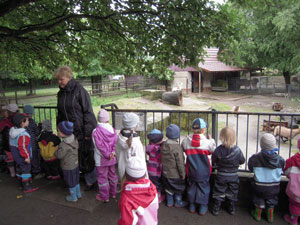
x: 105, y: 138
x: 139, y: 202
x: 292, y: 171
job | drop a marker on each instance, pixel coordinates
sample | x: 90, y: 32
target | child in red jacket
x: 139, y: 196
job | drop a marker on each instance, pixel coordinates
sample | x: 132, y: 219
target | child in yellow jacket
x: 48, y: 143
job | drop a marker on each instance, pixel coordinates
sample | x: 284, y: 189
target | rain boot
x: 216, y: 207
x: 202, y: 210
x: 12, y: 171
x: 178, y: 201
x: 170, y: 200
x: 192, y: 208
x: 73, y: 195
x: 293, y: 220
x: 256, y: 213
x: 231, y: 208
x: 27, y: 186
x: 78, y: 193
x: 270, y: 214
x: 161, y: 197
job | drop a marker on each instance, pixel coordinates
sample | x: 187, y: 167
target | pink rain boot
x: 12, y: 171
x: 293, y: 220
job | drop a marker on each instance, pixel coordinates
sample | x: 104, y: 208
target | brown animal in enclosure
x: 285, y: 133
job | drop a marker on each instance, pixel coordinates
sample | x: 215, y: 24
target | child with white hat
x: 129, y: 143
x: 139, y: 202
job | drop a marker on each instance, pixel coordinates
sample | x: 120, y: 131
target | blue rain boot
x: 73, y: 196
x: 78, y: 193
x: 170, y: 201
x: 192, y: 208
x: 202, y: 210
x: 178, y: 201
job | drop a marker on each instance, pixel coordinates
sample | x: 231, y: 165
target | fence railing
x: 248, y: 125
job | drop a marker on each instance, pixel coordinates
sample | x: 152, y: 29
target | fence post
x: 214, y: 123
x: 126, y: 88
x: 16, y: 97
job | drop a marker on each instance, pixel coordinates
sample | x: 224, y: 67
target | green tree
x: 139, y: 36
x: 267, y: 35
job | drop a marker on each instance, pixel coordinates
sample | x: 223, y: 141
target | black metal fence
x: 248, y: 125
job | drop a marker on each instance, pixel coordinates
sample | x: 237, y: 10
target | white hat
x: 130, y: 120
x: 11, y: 107
x: 135, y: 167
x: 268, y: 142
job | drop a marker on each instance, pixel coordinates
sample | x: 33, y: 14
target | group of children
x: 173, y: 171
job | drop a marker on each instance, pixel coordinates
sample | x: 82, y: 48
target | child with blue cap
x: 154, y: 165
x: 173, y: 172
x: 197, y: 147
x: 67, y: 152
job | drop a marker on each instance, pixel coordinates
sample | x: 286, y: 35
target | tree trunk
x: 96, y: 84
x: 174, y: 97
x: 287, y: 79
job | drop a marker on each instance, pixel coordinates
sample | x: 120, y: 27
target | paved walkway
x: 47, y: 206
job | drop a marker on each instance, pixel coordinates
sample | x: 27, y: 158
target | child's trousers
x: 107, y: 181
x: 226, y: 187
x: 198, y: 192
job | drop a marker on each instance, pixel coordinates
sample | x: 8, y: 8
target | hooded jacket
x: 47, y: 143
x: 74, y: 104
x: 267, y: 169
x: 292, y: 171
x: 228, y: 160
x: 20, y: 144
x: 105, y: 144
x: 124, y: 152
x: 138, y: 203
x: 34, y: 132
x: 197, y: 148
x: 67, y: 152
x: 154, y: 165
x: 172, y: 159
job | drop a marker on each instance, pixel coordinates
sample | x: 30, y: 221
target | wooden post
x: 16, y: 97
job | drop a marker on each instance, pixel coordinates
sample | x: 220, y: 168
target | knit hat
x: 268, y: 142
x: 298, y: 144
x: 28, y: 109
x: 173, y: 131
x: 18, y: 119
x: 46, y: 125
x: 199, y: 123
x: 103, y: 116
x: 11, y: 107
x: 155, y: 136
x: 66, y: 127
x: 130, y: 120
x: 135, y: 167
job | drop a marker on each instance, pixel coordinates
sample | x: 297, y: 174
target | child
x: 173, y: 173
x: 267, y: 167
x: 197, y: 148
x: 48, y: 143
x: 154, y: 166
x: 292, y: 171
x: 129, y: 143
x: 138, y: 203
x: 67, y: 152
x: 227, y: 157
x: 20, y: 147
x: 105, y: 138
x: 34, y: 132
x: 10, y: 110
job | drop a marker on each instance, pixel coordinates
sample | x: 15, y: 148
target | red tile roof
x: 210, y: 64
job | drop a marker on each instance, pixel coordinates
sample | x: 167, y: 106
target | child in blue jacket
x: 267, y: 167
x: 197, y: 148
